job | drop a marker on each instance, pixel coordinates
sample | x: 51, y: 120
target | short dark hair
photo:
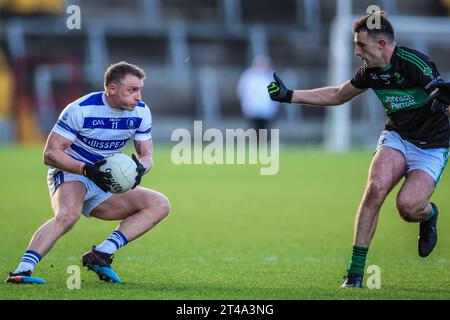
x: 385, y: 26
x: 116, y: 72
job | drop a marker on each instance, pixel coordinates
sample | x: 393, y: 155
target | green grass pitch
x: 232, y: 234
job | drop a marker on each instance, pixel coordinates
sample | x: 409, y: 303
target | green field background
x: 232, y: 233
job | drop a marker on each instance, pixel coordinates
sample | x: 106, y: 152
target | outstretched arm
x: 327, y: 96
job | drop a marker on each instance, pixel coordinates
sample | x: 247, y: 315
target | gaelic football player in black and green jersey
x: 414, y: 144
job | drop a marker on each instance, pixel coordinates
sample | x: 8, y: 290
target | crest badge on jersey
x: 399, y: 79
x: 131, y: 124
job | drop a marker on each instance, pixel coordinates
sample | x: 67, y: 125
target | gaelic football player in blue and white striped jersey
x: 89, y: 130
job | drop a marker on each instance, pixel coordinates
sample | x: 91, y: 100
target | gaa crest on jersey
x: 399, y: 79
x: 131, y: 124
x: 65, y: 116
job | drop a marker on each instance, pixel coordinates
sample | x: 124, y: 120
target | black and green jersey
x: 402, y: 87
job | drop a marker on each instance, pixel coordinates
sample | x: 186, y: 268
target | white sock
x: 114, y: 242
x: 29, y: 261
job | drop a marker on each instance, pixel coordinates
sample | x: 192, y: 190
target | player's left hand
x: 140, y: 170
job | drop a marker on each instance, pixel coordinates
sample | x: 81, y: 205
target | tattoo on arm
x: 144, y: 153
x: 138, y: 147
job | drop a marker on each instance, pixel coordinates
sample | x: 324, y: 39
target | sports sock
x: 29, y: 261
x: 358, y: 260
x: 431, y: 215
x: 114, y: 242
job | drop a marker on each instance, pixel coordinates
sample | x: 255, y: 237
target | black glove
x: 278, y: 91
x: 444, y: 92
x: 438, y: 106
x: 100, y: 178
x: 440, y: 97
x: 140, y: 170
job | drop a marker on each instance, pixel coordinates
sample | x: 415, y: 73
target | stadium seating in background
x: 194, y: 11
x: 179, y: 43
x: 6, y: 87
x: 447, y: 4
x: 27, y: 7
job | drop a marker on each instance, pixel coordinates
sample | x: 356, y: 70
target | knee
x: 165, y: 207
x: 161, y: 207
x: 66, y: 219
x: 376, y: 192
x: 407, y: 209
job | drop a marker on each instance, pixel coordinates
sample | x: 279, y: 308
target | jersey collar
x: 109, y: 107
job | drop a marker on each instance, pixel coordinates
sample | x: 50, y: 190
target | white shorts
x: 93, y: 197
x: 432, y: 161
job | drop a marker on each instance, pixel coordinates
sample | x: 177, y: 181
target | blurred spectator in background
x: 255, y: 102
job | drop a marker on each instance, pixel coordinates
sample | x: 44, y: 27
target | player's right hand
x: 100, y: 178
x: 440, y: 97
x: 444, y: 91
x: 278, y: 91
x: 438, y: 106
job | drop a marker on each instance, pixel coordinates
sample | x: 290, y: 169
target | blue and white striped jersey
x: 99, y: 131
